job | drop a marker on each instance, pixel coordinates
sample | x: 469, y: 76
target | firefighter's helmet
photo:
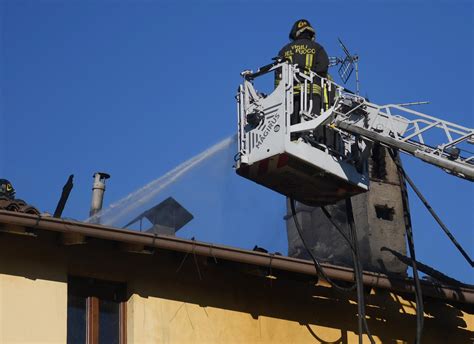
x: 6, y: 189
x: 299, y: 27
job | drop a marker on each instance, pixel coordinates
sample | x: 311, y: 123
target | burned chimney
x: 379, y: 217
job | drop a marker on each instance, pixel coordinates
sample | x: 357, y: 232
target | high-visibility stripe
x: 309, y: 61
x: 316, y: 89
x: 326, y: 98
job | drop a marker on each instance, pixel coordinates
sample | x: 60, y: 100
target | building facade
x: 71, y: 282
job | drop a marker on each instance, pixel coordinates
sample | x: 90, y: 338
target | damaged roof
x: 18, y: 205
x: 36, y: 222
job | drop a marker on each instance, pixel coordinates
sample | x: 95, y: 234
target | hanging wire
x: 362, y: 320
x: 317, y: 265
x: 352, y: 242
x: 431, y: 210
x: 411, y: 246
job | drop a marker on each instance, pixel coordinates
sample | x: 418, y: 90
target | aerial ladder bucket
x: 269, y: 153
x: 323, y: 158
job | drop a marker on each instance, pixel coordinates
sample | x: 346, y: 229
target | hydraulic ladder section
x: 433, y: 140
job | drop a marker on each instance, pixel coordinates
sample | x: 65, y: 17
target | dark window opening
x: 379, y: 166
x: 109, y: 320
x: 384, y: 212
x: 96, y: 311
x: 76, y: 319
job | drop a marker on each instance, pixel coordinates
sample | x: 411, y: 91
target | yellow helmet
x: 6, y: 189
x: 299, y: 27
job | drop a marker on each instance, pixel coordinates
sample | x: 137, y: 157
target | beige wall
x: 156, y: 320
x: 170, y: 301
x: 225, y: 305
x: 33, y: 293
x: 32, y: 311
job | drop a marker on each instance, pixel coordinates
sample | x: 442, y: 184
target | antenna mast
x: 347, y: 65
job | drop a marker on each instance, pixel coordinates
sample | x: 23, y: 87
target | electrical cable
x: 359, y: 286
x: 432, y: 212
x: 362, y: 320
x: 361, y: 310
x: 411, y: 246
x: 317, y: 265
x: 355, y: 255
x: 348, y: 241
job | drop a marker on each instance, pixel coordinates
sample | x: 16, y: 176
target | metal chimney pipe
x: 98, y: 190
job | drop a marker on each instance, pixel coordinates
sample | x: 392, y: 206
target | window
x: 384, y: 212
x: 96, y: 311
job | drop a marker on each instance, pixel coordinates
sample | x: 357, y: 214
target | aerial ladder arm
x: 433, y: 140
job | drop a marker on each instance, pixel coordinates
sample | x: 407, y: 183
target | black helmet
x: 6, y: 189
x: 299, y: 27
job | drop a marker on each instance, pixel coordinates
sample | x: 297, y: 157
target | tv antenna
x: 347, y: 65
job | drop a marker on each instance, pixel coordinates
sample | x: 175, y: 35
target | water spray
x: 136, y: 199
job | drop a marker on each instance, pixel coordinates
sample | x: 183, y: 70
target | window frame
x: 94, y: 290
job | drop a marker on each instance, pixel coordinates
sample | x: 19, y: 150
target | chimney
x: 379, y: 217
x: 98, y: 190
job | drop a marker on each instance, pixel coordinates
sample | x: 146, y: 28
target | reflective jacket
x: 308, y: 55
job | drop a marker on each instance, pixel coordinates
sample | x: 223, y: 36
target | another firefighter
x: 308, y: 55
x: 6, y: 190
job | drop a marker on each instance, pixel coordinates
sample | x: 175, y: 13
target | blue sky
x: 136, y: 87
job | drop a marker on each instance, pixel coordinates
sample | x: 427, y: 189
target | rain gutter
x: 370, y: 279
